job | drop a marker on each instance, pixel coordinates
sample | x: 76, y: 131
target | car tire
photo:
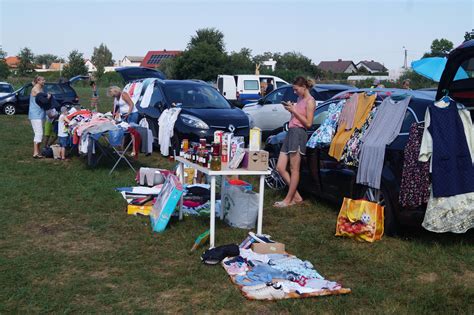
x: 9, y: 109
x: 391, y: 225
x: 274, y: 180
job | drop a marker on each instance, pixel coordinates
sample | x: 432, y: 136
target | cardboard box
x: 269, y: 248
x: 256, y: 160
x: 143, y: 210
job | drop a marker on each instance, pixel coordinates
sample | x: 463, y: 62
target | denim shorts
x: 133, y: 117
x: 63, y: 141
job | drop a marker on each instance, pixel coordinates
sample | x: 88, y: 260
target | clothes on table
x: 415, y: 185
x: 166, y: 131
x: 322, y: 137
x: 365, y: 103
x: 448, y: 139
x: 82, y: 112
x: 350, y: 155
x: 382, y: 131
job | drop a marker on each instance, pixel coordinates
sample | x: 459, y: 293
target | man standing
x: 270, y: 87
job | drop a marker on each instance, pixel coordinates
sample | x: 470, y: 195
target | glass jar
x: 216, y: 163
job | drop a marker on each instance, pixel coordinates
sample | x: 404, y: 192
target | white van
x: 245, y: 88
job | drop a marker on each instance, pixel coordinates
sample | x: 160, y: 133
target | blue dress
x: 35, y: 111
x: 452, y: 168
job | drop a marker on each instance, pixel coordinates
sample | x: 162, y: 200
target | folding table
x: 225, y: 171
x: 116, y: 156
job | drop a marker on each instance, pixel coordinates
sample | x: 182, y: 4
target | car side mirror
x: 261, y: 101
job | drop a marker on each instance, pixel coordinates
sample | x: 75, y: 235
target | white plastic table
x: 223, y: 172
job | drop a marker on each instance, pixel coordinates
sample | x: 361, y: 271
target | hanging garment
x: 350, y: 155
x: 450, y: 214
x: 148, y: 87
x: 166, y: 129
x: 382, y: 131
x: 136, y: 141
x: 346, y: 118
x: 365, y: 103
x: 134, y: 90
x: 323, y: 135
x: 415, y: 186
x: 449, y: 140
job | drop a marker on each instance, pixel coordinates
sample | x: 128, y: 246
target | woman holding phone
x: 294, y: 145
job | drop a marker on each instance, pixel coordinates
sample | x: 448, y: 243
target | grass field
x: 67, y: 246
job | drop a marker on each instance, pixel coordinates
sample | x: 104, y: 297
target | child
x: 95, y: 96
x: 62, y: 132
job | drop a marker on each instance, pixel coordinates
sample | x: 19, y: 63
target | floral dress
x: 350, y: 155
x: 322, y: 137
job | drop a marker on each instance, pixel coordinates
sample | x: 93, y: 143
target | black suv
x: 325, y: 177
x: 203, y: 109
x: 19, y: 100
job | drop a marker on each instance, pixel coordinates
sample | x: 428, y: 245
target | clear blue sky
x: 321, y: 30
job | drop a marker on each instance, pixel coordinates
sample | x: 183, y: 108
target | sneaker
x: 270, y: 292
x: 251, y: 288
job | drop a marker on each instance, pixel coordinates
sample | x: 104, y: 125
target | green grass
x: 67, y: 246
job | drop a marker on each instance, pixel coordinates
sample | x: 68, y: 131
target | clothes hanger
x: 369, y: 93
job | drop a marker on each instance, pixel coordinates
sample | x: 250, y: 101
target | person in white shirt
x: 62, y: 132
x: 124, y: 107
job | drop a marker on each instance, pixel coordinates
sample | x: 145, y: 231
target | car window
x: 407, y: 122
x: 195, y: 96
x: 251, y: 85
x: 280, y: 84
x: 466, y: 70
x: 6, y: 88
x: 67, y: 89
x: 320, y: 115
x: 53, y: 89
x: 275, y: 97
x: 290, y: 95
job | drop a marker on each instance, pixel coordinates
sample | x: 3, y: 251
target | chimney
x: 164, y: 50
x: 339, y: 59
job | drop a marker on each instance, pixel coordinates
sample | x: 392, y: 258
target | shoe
x: 236, y: 269
x: 270, y: 292
x: 251, y: 288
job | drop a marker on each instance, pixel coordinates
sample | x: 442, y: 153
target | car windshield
x: 6, y: 88
x: 194, y: 96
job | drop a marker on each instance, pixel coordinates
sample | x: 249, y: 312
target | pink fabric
x: 300, y: 106
x: 348, y: 112
x: 93, y: 122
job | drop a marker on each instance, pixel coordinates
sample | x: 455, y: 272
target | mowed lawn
x: 67, y: 245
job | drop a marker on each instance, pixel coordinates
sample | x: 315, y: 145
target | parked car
x: 324, y: 177
x: 203, y: 109
x: 5, y: 88
x: 243, y: 89
x: 19, y: 100
x: 269, y: 114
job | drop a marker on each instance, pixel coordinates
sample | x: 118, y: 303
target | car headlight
x: 193, y: 121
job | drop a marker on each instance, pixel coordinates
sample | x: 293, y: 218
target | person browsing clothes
x: 294, y: 145
x: 124, y: 107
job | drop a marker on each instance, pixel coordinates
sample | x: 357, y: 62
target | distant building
x: 371, y: 66
x: 12, y: 62
x: 90, y: 66
x: 339, y: 66
x: 130, y: 61
x: 154, y: 57
x: 269, y: 64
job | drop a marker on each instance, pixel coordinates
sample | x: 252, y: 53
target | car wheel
x: 382, y: 197
x: 274, y: 180
x: 9, y: 109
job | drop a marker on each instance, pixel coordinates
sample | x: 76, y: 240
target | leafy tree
x: 468, y: 36
x: 46, y: 59
x: 439, y: 48
x: 202, y: 61
x: 240, y: 62
x: 265, y: 56
x: 76, y: 65
x: 26, y: 64
x: 101, y: 58
x: 211, y: 36
x: 4, y: 70
x: 416, y: 81
x: 168, y: 67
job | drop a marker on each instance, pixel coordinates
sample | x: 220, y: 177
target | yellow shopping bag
x: 360, y: 219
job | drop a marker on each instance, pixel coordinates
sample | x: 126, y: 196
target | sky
x: 322, y: 30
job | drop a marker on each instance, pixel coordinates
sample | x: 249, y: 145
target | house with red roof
x: 12, y: 62
x: 154, y: 57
